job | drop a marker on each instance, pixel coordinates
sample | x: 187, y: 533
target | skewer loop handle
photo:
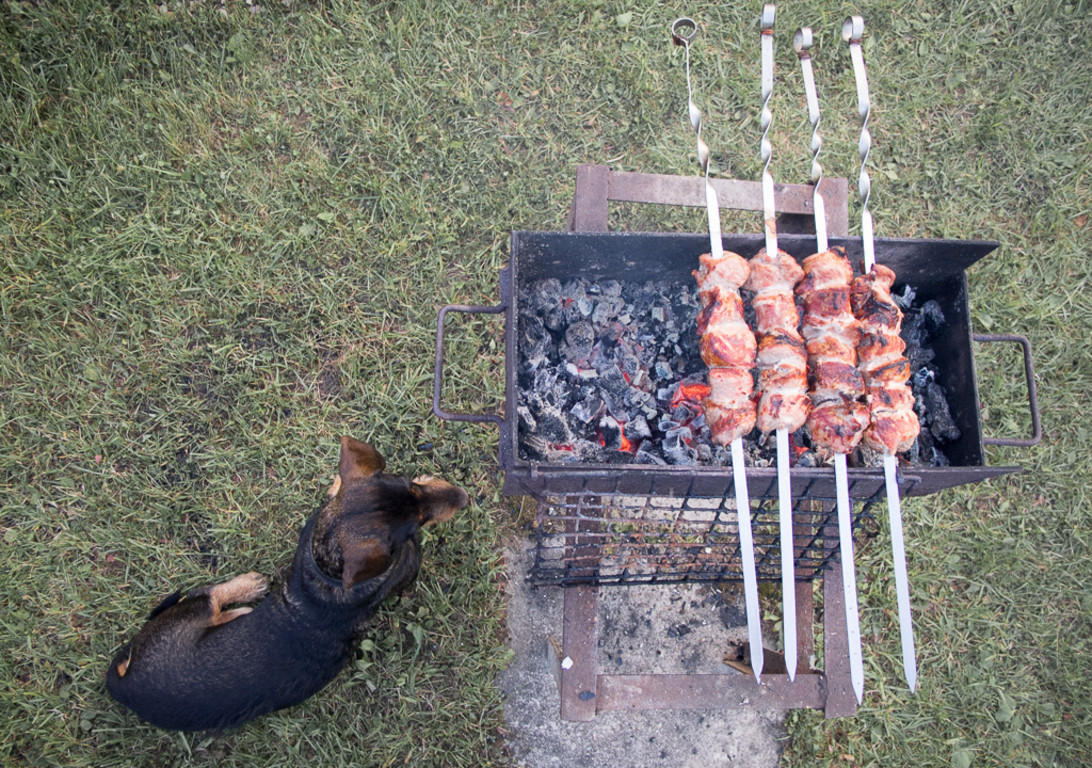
x: 684, y: 30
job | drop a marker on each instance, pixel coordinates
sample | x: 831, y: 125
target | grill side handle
x: 438, y: 374
x: 1033, y: 397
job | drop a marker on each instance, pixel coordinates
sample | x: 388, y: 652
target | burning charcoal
x: 675, y: 449
x: 588, y: 409
x: 613, y: 332
x: 630, y: 367
x: 684, y: 413
x: 666, y: 424
x: 614, y: 388
x: 580, y: 374
x: 610, y: 432
x: 577, y: 346
x: 646, y: 454
x: 546, y: 386
x: 606, y: 309
x: 602, y: 364
x: 637, y: 429
x: 552, y: 427
x: 546, y: 296
x: 538, y: 344
x: 866, y: 457
x: 941, y: 423
x: 527, y: 422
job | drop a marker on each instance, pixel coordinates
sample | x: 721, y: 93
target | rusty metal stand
x: 585, y: 692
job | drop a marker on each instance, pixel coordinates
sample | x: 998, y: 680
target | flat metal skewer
x: 849, y: 576
x: 788, y: 552
x: 683, y: 31
x: 784, y: 477
x: 852, y: 32
x: 802, y: 42
x: 747, y: 552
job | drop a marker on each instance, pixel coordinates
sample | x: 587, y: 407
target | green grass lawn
x: 224, y: 237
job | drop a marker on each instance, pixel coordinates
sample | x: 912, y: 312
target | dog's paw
x: 333, y: 489
x: 252, y: 586
x: 242, y: 589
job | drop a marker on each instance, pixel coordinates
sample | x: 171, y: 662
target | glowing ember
x: 612, y: 434
x: 690, y: 393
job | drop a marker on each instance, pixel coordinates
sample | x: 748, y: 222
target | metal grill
x: 620, y: 540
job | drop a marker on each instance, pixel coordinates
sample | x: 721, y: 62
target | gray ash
x: 610, y: 372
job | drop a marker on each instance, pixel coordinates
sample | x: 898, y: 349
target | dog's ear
x: 363, y: 559
x: 358, y: 460
x: 438, y: 500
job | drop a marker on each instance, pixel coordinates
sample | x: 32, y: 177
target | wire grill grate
x: 617, y: 539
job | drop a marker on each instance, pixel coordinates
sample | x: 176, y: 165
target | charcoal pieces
x: 601, y: 367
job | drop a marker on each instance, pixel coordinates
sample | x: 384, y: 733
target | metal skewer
x: 683, y: 31
x: 784, y: 478
x: 788, y: 551
x: 852, y: 32
x: 849, y: 576
x: 802, y: 42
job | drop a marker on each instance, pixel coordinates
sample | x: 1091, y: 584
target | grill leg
x: 841, y: 701
x: 579, y: 647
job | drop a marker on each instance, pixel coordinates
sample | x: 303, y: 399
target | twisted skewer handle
x: 766, y: 119
x: 852, y: 32
x: 683, y: 32
x: 801, y: 43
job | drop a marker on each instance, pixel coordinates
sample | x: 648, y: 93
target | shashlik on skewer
x: 727, y: 346
x: 885, y: 370
x: 784, y: 403
x: 782, y: 355
x: 838, y: 417
x: 850, y: 351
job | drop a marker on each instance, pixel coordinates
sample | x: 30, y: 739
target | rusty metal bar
x: 579, y: 646
x: 841, y: 701
x: 596, y: 185
x: 642, y: 692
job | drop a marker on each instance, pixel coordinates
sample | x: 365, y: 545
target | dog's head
x: 371, y: 515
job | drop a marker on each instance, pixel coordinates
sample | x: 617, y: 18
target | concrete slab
x: 642, y: 630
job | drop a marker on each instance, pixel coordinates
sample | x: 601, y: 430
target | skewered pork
x: 727, y: 346
x: 838, y: 417
x: 885, y: 370
x: 782, y: 356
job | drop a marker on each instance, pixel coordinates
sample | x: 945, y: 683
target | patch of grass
x: 223, y: 241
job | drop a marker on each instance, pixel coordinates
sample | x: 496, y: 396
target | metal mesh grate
x: 618, y: 539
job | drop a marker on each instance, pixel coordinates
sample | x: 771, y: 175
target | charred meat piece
x: 727, y: 346
x: 885, y: 370
x: 782, y: 354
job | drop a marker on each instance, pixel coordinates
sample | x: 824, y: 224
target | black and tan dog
x: 199, y: 665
